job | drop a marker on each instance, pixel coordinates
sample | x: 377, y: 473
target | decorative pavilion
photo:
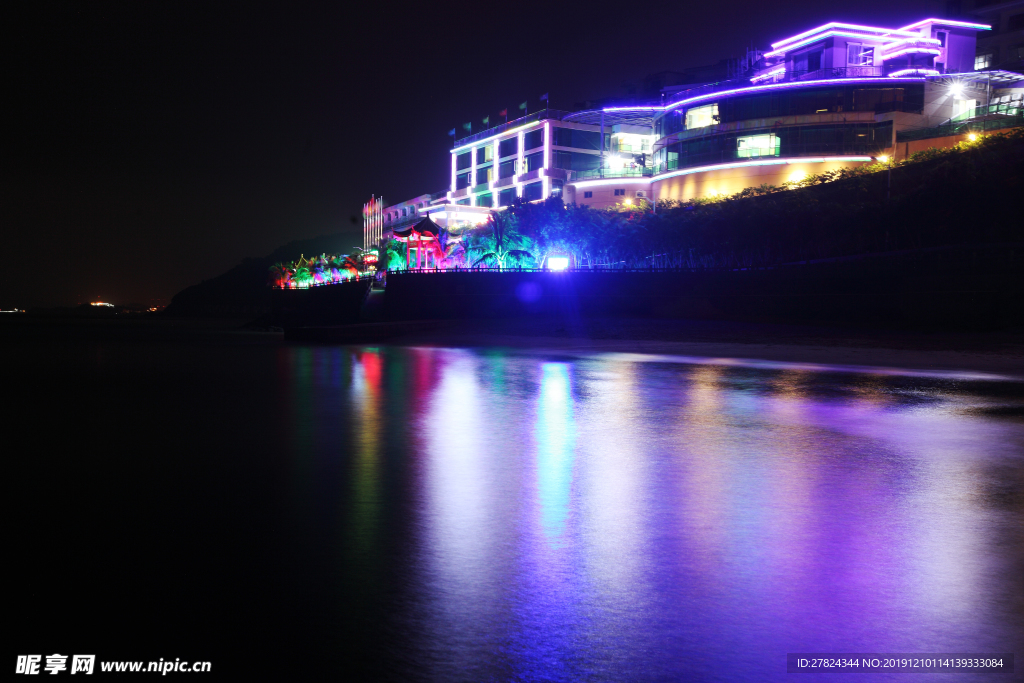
x: 424, y: 238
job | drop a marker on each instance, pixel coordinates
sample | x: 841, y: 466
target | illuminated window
x: 859, y: 55
x: 484, y: 154
x: 754, y: 146
x: 701, y: 117
x: 982, y: 61
x: 485, y: 199
x: 484, y: 175
x: 588, y: 194
x: 963, y: 107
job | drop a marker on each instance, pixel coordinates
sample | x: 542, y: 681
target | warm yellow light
x: 883, y: 159
x: 628, y: 202
x: 797, y: 176
x: 972, y: 137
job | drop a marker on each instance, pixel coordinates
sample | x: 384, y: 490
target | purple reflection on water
x: 616, y: 518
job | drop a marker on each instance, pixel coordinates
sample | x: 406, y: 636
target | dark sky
x: 154, y: 144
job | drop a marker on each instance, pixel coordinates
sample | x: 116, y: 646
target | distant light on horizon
x: 558, y: 262
x: 101, y: 303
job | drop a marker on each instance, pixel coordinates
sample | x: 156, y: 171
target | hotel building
x: 839, y: 95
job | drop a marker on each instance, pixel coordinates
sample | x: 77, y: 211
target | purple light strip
x: 822, y: 36
x: 838, y: 24
x: 765, y: 87
x: 947, y: 22
x: 923, y: 72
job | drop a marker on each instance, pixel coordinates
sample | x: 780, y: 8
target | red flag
x: 503, y: 112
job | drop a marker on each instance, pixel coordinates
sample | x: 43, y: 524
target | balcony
x: 598, y: 173
x: 541, y: 115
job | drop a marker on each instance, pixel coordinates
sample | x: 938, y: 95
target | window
x: 754, y: 146
x: 620, y: 193
x: 580, y: 139
x: 700, y: 117
x: 405, y: 212
x: 485, y: 199
x: 507, y: 169
x: 588, y: 194
x: 461, y: 181
x: 533, y: 139
x: 576, y: 161
x: 964, y: 107
x: 507, y: 148
x: 813, y: 61
x: 484, y: 154
x: 982, y: 61
x: 463, y: 202
x: 533, y: 191
x: 941, y: 36
x: 483, y: 175
x: 534, y: 161
x: 463, y: 161
x: 556, y: 187
x: 505, y: 197
x: 859, y: 55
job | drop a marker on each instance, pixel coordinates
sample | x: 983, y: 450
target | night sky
x: 153, y: 145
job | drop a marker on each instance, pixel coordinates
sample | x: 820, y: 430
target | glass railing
x: 978, y: 125
x: 1001, y: 108
x: 639, y: 172
x: 756, y: 153
x: 541, y: 115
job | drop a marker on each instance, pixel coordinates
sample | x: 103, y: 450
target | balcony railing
x: 596, y: 173
x: 999, y: 109
x: 756, y: 153
x: 541, y: 115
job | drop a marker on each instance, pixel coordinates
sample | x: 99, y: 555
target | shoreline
x: 999, y: 355
x: 996, y: 355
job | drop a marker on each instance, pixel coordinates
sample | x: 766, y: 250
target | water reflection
x: 555, y: 435
x: 608, y: 518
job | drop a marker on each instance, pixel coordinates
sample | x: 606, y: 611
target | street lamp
x: 887, y: 160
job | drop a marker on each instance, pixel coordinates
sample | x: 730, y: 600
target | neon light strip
x: 912, y: 51
x: 837, y: 24
x: 766, y: 162
x: 822, y: 36
x: 773, y: 72
x: 921, y: 72
x: 776, y: 86
x: 947, y: 22
x: 760, y: 88
x: 495, y: 137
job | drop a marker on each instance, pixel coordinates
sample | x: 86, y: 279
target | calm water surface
x: 453, y: 514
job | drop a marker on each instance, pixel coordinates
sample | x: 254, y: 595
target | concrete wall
x: 604, y: 195
x: 733, y: 180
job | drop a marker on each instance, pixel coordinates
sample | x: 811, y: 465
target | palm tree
x: 504, y: 244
